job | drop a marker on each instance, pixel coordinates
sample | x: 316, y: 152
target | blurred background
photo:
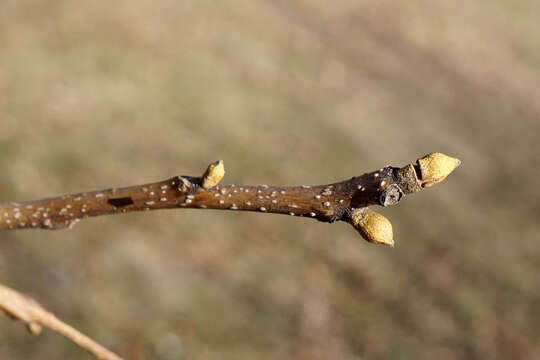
x: 99, y: 94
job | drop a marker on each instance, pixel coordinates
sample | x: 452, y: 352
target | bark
x: 327, y: 203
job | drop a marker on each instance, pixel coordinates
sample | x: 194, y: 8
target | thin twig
x: 344, y: 200
x: 22, y: 307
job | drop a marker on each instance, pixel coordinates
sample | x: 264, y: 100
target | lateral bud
x: 213, y: 174
x: 34, y: 328
x: 373, y: 227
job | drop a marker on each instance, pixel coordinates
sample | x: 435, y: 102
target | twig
x: 344, y: 200
x: 23, y: 308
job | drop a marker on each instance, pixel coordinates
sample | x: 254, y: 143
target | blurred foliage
x: 99, y: 94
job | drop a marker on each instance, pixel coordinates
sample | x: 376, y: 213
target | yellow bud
x: 213, y: 175
x: 373, y: 227
x: 435, y: 167
x: 34, y: 328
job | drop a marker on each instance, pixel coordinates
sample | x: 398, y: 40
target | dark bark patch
x: 120, y: 202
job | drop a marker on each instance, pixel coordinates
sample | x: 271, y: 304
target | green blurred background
x: 99, y: 94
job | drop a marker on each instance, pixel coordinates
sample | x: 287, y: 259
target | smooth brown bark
x: 327, y: 203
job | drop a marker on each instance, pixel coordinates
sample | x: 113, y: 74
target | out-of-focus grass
x: 100, y: 94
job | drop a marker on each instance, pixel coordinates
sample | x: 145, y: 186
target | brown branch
x: 346, y: 201
x: 21, y: 307
x: 343, y: 200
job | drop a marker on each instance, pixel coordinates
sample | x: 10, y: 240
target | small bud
x: 34, y: 328
x: 435, y: 167
x: 213, y: 175
x: 373, y: 227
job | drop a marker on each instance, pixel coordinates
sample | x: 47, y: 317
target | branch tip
x: 435, y: 167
